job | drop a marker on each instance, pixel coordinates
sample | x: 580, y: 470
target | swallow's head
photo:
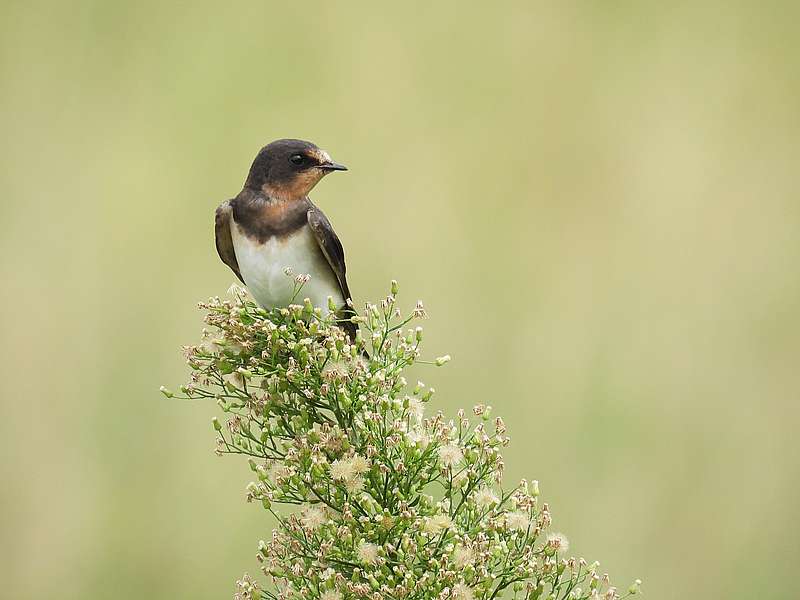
x: 289, y: 169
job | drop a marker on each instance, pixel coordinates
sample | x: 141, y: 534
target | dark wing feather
x: 222, y: 231
x: 332, y: 249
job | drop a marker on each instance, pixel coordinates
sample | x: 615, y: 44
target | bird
x: 272, y: 228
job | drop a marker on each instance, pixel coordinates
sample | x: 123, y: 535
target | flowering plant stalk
x: 373, y: 499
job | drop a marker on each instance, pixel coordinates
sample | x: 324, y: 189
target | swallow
x: 272, y: 225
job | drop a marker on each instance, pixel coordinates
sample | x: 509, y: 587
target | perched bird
x: 271, y: 225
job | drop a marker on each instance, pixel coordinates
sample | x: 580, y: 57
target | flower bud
x: 394, y: 287
x: 442, y: 360
x: 217, y: 425
x: 635, y: 587
x: 166, y: 392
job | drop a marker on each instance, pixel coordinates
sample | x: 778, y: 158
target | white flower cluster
x: 388, y: 502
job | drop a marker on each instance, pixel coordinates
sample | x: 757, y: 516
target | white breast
x: 262, y: 266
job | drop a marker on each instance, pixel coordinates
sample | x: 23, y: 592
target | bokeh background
x: 598, y: 203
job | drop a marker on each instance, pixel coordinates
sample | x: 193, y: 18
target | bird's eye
x: 297, y: 159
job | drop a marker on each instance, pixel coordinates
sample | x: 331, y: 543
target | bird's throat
x: 296, y: 189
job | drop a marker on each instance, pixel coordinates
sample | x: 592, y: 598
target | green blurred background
x: 598, y: 203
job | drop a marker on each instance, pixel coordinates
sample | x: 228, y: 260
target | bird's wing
x: 332, y: 249
x: 222, y: 231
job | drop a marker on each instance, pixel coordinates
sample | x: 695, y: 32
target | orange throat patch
x: 297, y: 188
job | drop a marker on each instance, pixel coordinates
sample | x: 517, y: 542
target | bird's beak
x: 332, y: 166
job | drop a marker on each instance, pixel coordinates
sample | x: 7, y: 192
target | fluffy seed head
x: 558, y: 542
x: 368, y: 553
x: 450, y: 455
